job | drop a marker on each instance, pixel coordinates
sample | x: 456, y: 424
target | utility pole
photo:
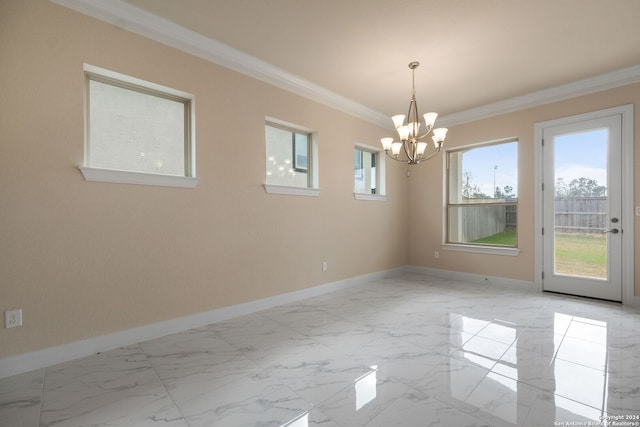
x: 495, y: 193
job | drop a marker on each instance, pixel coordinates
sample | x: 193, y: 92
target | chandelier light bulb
x: 422, y: 146
x: 398, y: 120
x: 395, y: 148
x: 403, y: 132
x: 430, y: 119
x: 386, y: 143
x: 439, y: 135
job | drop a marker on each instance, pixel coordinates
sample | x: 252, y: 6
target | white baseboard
x: 521, y: 285
x: 13, y: 365
x: 503, y: 282
x: 632, y: 301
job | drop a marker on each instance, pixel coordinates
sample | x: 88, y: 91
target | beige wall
x: 84, y: 259
x: 426, y: 184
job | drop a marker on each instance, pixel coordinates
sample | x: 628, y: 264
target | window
x: 368, y: 173
x: 136, y: 131
x: 482, y: 195
x: 291, y: 166
x: 365, y: 172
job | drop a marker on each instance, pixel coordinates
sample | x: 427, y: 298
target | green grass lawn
x: 581, y: 255
x: 506, y: 238
x: 576, y: 254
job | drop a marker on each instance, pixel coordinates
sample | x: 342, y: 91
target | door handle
x: 613, y: 231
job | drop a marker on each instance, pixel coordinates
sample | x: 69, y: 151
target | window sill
x: 375, y: 197
x: 489, y: 250
x: 128, y: 177
x: 292, y: 191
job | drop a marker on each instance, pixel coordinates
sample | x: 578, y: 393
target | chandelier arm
x: 413, y: 108
x: 409, y: 156
x: 432, y: 155
x: 391, y: 155
x: 412, y: 103
x: 429, y: 129
x: 397, y: 159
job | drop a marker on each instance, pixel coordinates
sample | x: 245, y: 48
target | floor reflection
x: 366, y: 388
x: 564, y: 366
x: 302, y: 421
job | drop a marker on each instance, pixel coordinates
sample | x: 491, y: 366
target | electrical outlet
x: 325, y: 266
x: 436, y: 254
x: 13, y: 318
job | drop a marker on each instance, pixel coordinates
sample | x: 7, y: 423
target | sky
x: 481, y: 163
x: 577, y: 155
x: 582, y: 154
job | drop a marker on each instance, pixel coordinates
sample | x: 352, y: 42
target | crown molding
x: 138, y: 21
x: 623, y: 77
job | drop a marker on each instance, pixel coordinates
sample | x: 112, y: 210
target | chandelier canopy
x: 412, y: 148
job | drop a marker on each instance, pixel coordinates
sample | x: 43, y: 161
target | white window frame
x: 473, y: 248
x: 189, y: 180
x: 381, y: 194
x: 313, y: 188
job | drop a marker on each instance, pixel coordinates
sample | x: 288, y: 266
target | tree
x: 561, y: 188
x: 467, y: 187
x: 504, y: 193
x: 508, y: 191
x: 579, y: 187
x: 470, y: 190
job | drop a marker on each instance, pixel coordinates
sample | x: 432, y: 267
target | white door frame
x: 627, y: 220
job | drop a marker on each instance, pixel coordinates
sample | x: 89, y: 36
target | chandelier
x: 411, y: 148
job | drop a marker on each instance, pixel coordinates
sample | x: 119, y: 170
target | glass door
x: 582, y: 243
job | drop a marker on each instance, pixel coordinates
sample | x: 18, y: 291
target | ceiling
x: 471, y: 52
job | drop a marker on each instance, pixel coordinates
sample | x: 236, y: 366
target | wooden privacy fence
x: 573, y: 215
x: 486, y: 220
x: 482, y: 221
x: 581, y: 215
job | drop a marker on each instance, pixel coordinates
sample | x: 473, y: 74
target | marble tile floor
x: 404, y: 351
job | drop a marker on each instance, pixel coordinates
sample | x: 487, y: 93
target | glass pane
x: 483, y: 183
x: 483, y: 225
x: 282, y: 147
x: 485, y: 174
x: 581, y: 205
x: 134, y: 131
x: 365, y: 172
x: 301, y: 153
